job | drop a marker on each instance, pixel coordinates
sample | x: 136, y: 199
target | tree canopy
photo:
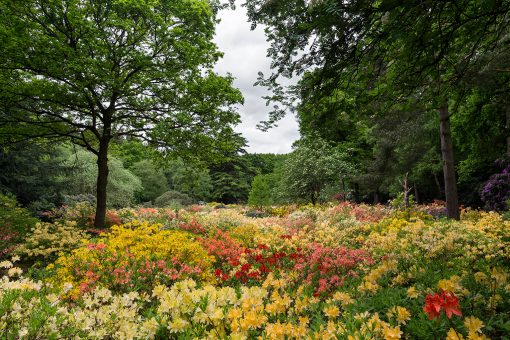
x: 91, y: 72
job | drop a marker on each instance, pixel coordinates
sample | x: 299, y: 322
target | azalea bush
x: 132, y: 256
x: 47, y: 240
x: 347, y: 271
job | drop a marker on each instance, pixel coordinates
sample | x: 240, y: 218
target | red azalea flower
x: 432, y: 306
x: 451, y: 305
x: 447, y: 301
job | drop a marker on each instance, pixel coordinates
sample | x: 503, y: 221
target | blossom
x: 454, y: 335
x: 447, y: 301
x: 14, y: 271
x: 473, y: 324
x: 392, y: 333
x: 331, y: 311
x: 412, y: 293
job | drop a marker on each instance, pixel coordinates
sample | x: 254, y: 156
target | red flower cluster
x: 325, y: 268
x: 193, y: 227
x: 222, y: 246
x: 260, y: 262
x: 447, y: 301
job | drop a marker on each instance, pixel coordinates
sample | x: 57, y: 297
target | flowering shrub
x: 496, y: 191
x: 133, y: 256
x: 47, y: 240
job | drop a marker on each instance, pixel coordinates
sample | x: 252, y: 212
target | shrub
x: 496, y: 191
x: 15, y: 223
x: 47, y: 240
x: 171, y: 198
x: 133, y: 256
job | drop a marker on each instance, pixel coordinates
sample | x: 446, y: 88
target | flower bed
x: 210, y: 274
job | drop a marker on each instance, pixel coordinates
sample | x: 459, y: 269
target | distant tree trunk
x: 508, y: 130
x: 376, y: 196
x: 102, y: 181
x: 438, y: 185
x: 416, y: 197
x: 450, y: 182
x: 312, y: 197
x: 356, y: 193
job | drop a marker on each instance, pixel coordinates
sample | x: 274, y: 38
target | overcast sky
x: 245, y: 55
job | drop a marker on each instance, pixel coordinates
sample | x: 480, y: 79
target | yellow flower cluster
x: 369, y: 284
x: 47, y: 240
x: 140, y: 240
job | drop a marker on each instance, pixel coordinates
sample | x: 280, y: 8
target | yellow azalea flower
x: 477, y: 336
x: 344, y: 298
x: 392, y: 333
x: 362, y: 316
x: 473, y: 324
x: 412, y: 293
x: 454, y: 335
x: 499, y: 276
x: 6, y: 264
x: 235, y: 313
x: 451, y: 285
x: 178, y: 324
x: 331, y: 311
x: 375, y: 323
x: 400, y: 313
x: 480, y: 277
x: 14, y: 271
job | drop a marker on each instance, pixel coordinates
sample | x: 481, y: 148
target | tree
x: 190, y: 179
x: 92, y: 72
x: 153, y: 181
x: 401, y: 51
x: 122, y: 183
x: 260, y: 193
x: 35, y: 173
x: 311, y: 167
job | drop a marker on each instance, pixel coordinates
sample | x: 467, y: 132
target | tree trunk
x: 102, y: 181
x: 356, y: 193
x: 416, y: 197
x: 312, y: 197
x: 438, y: 185
x: 450, y: 182
x: 508, y: 130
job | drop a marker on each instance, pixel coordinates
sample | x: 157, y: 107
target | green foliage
x: 311, y: 166
x: 260, y: 193
x: 35, y: 173
x: 191, y: 179
x: 173, y: 199
x: 91, y: 72
x: 15, y: 223
x: 152, y: 178
x: 231, y: 180
x: 133, y: 151
x: 122, y: 184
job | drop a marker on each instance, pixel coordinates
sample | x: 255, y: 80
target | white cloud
x: 244, y: 56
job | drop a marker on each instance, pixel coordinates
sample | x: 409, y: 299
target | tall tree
x: 91, y: 72
x: 401, y: 51
x: 312, y: 166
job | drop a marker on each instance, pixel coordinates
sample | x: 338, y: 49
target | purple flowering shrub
x: 496, y: 191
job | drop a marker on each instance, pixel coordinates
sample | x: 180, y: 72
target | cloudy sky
x: 245, y: 56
